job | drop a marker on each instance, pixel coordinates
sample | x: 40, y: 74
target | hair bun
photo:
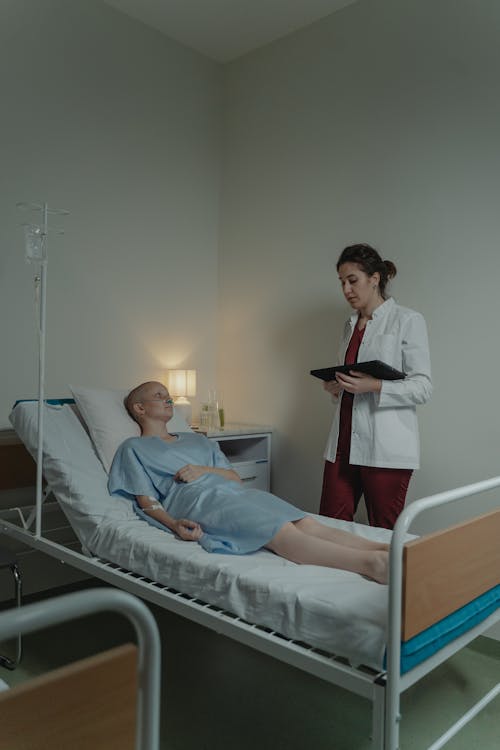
x: 390, y: 268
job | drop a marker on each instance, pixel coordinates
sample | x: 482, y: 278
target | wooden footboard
x: 89, y: 705
x: 445, y: 570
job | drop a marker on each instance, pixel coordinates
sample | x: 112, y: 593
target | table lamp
x: 181, y: 384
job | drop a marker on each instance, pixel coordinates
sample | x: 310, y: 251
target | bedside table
x: 248, y: 447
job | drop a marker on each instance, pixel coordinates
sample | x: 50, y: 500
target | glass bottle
x: 204, y: 416
x: 220, y: 408
x: 213, y: 423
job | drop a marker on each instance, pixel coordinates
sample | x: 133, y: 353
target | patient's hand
x: 189, y: 531
x: 190, y: 472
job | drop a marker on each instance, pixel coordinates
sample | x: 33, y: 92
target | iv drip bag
x: 34, y: 243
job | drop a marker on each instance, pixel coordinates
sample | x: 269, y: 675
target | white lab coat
x: 384, y: 425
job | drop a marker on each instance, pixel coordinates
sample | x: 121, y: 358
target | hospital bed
x: 373, y: 640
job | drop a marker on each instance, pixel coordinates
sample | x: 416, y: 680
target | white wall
x: 379, y: 124
x: 118, y: 124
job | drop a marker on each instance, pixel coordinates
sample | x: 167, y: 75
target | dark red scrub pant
x: 384, y: 491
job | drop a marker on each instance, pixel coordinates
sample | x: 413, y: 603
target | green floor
x: 219, y: 694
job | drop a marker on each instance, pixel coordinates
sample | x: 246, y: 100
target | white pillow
x: 108, y: 421
x: 71, y: 466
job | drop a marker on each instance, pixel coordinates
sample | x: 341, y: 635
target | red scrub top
x: 345, y: 425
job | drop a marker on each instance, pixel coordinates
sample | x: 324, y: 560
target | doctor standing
x: 373, y: 446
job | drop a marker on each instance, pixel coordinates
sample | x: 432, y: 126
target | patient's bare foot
x: 379, y: 567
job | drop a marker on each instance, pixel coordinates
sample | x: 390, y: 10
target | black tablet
x: 375, y: 367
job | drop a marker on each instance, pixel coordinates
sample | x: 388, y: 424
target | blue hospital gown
x: 234, y: 519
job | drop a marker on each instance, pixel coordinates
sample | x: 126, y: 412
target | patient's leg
x: 294, y: 545
x: 312, y: 527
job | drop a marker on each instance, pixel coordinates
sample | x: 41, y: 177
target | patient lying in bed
x: 185, y: 484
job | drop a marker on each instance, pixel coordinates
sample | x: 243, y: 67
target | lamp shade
x: 181, y: 382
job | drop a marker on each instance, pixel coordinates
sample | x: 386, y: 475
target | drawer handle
x: 248, y: 479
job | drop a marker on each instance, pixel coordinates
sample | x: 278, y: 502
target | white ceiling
x: 226, y: 29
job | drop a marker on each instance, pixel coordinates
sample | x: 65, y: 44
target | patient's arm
x: 190, y: 472
x: 189, y: 531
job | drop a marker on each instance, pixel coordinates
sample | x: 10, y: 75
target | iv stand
x: 36, y: 250
x: 41, y: 371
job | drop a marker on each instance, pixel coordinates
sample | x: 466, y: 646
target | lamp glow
x: 181, y: 384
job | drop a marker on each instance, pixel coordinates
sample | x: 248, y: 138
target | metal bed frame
x: 383, y: 689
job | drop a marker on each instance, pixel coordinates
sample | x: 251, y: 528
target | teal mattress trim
x: 429, y: 641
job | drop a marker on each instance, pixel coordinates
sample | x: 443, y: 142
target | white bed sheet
x: 334, y: 610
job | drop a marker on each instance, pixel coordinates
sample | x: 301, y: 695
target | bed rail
x: 394, y: 680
